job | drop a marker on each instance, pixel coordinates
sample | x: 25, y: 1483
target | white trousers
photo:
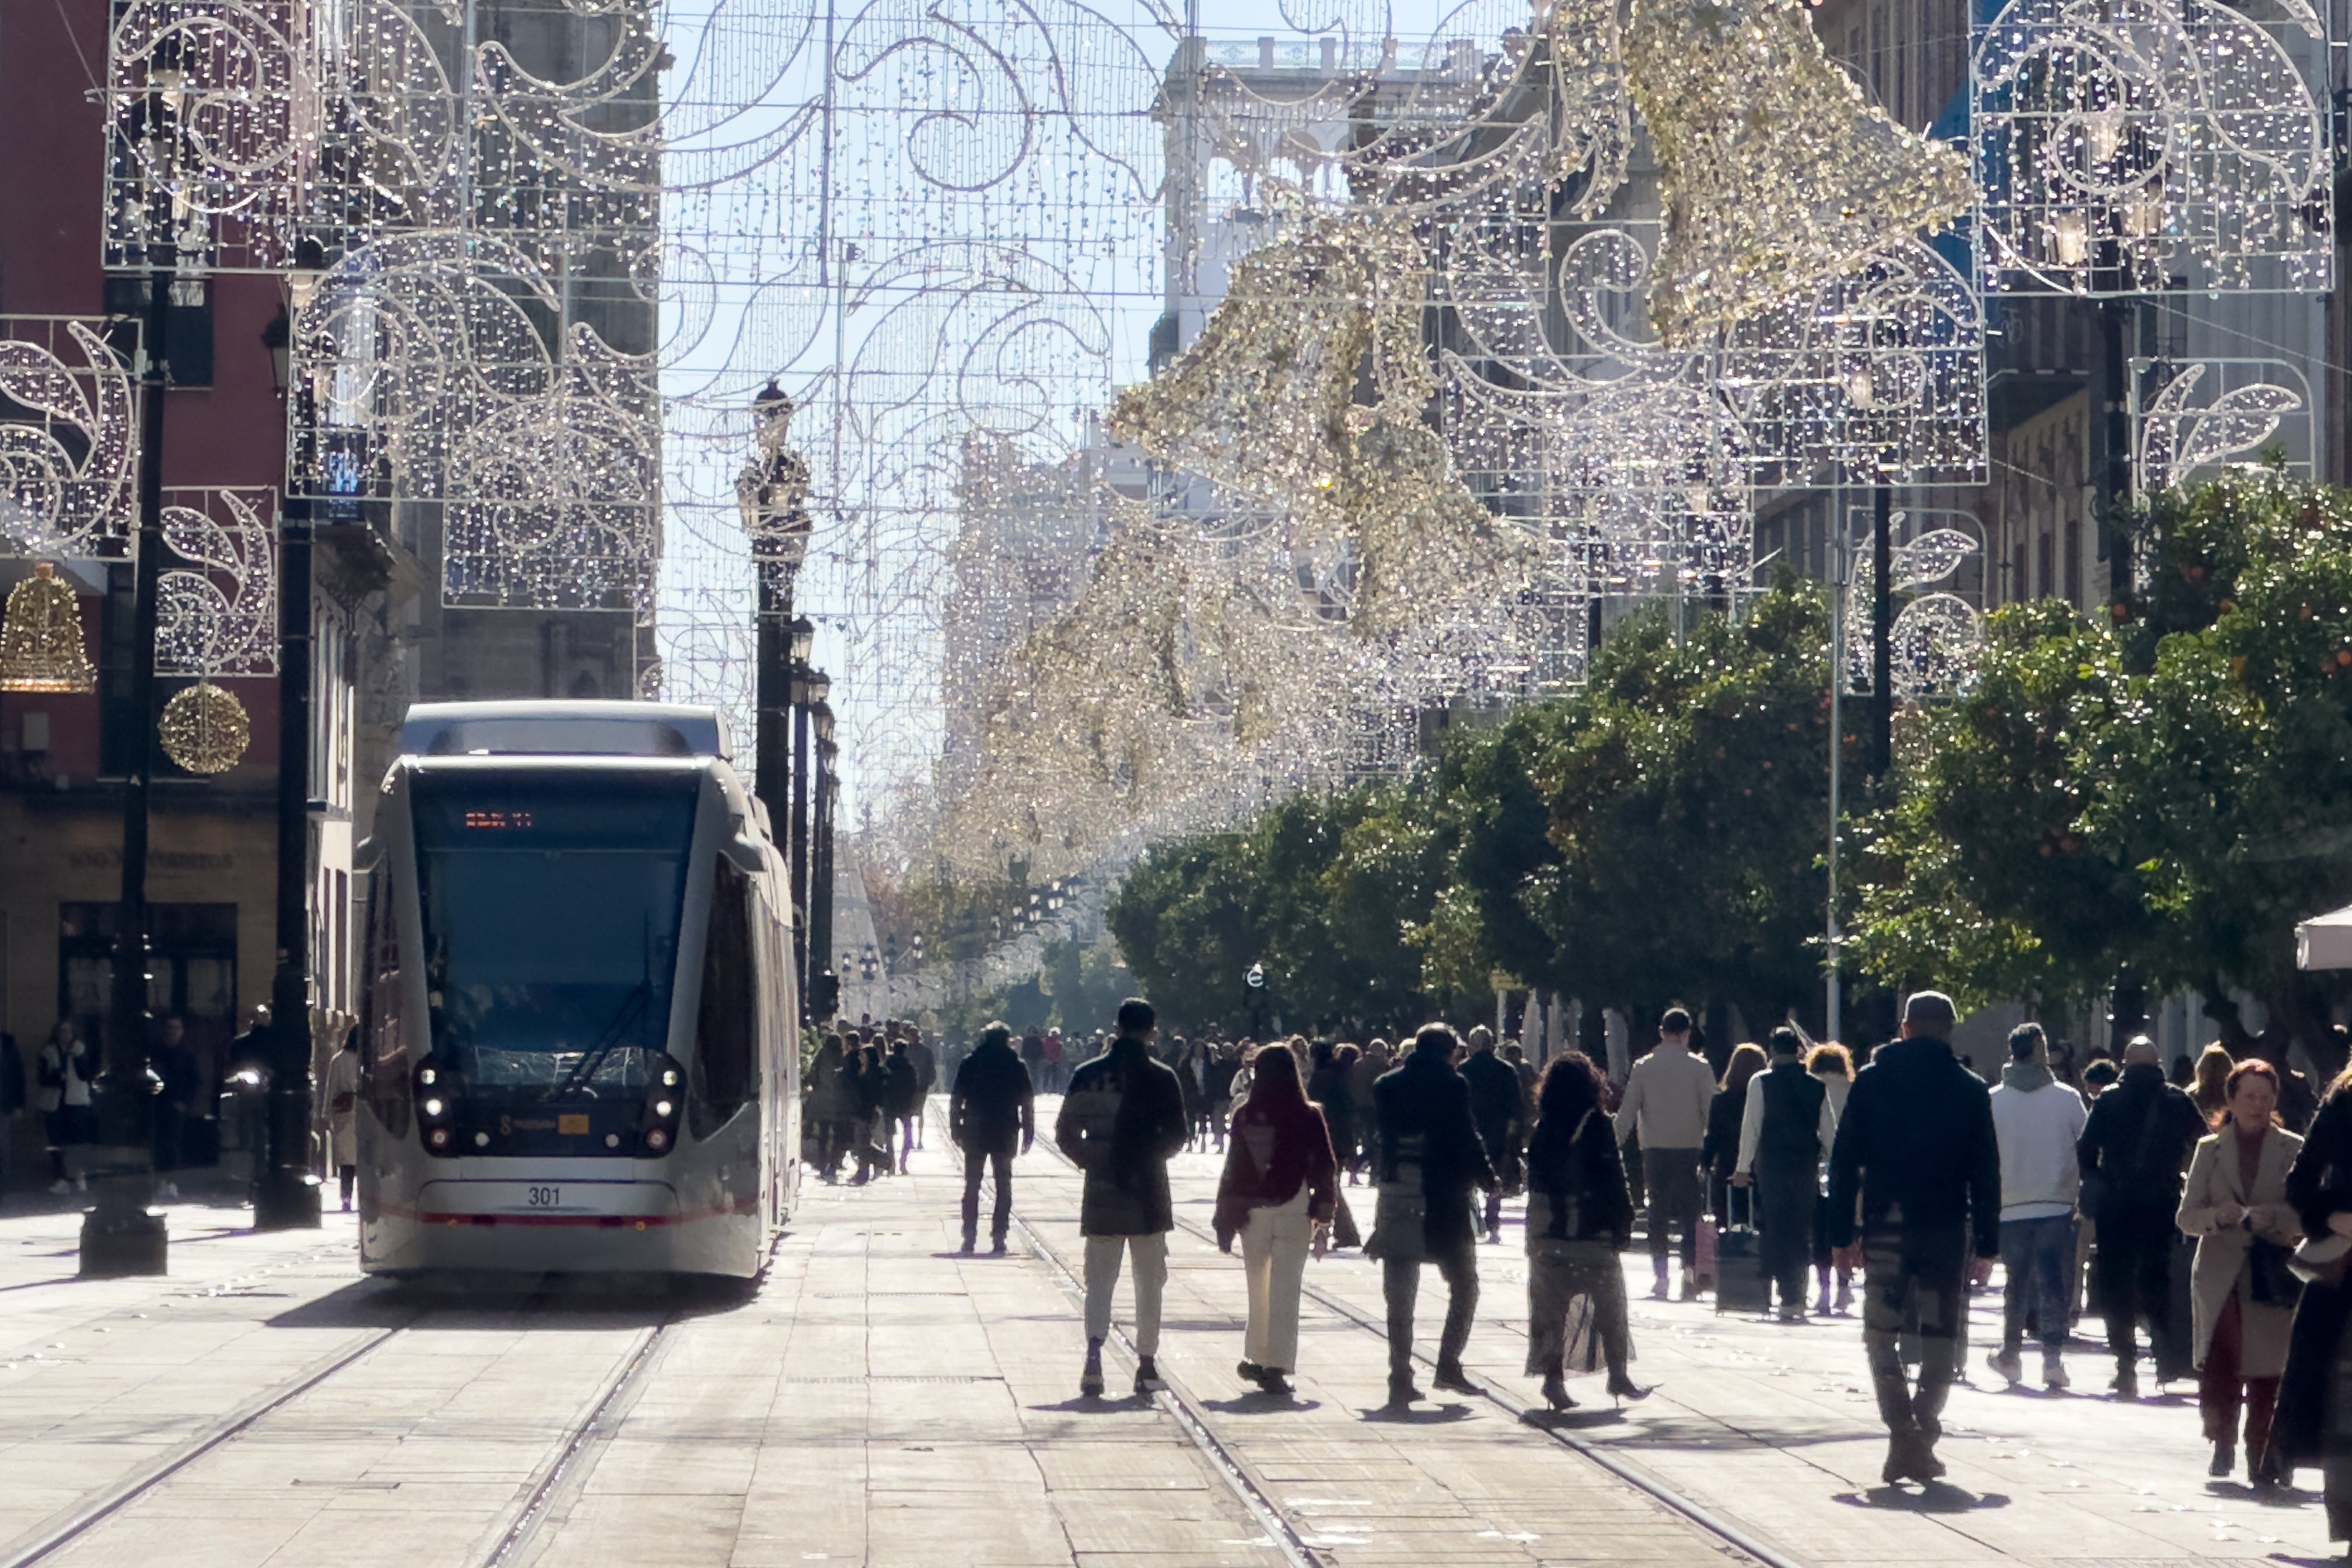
x: 1150, y: 1254
x: 1274, y: 1243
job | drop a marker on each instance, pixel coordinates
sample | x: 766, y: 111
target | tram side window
x: 727, y: 1023
x: 384, y: 1047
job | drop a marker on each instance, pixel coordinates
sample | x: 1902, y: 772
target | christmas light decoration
x: 219, y: 616
x: 69, y: 438
x: 2190, y: 418
x: 1935, y: 636
x: 204, y: 728
x: 1776, y: 175
x: 41, y: 647
x: 2136, y: 146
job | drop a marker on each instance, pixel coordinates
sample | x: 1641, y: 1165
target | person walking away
x: 2209, y: 1086
x: 1122, y: 1120
x: 2314, y: 1424
x: 1667, y: 1099
x: 903, y: 1085
x: 991, y: 1110
x: 2135, y: 1146
x: 1431, y: 1157
x: 1516, y: 1055
x: 2242, y: 1296
x: 344, y: 1113
x: 1914, y: 1152
x: 1191, y: 1076
x: 1376, y: 1060
x: 181, y: 1076
x: 927, y: 1075
x: 1333, y: 1091
x: 1221, y: 1072
x: 2038, y: 1122
x: 1786, y: 1130
x: 1278, y: 1193
x: 64, y: 1071
x: 1718, y: 1151
x: 830, y: 1104
x: 1499, y: 1109
x: 1579, y: 1217
x: 869, y: 1083
x: 1834, y: 1065
x: 1033, y: 1053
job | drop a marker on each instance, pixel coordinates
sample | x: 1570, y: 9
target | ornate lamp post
x: 772, y: 492
x: 820, y: 914
x: 809, y: 690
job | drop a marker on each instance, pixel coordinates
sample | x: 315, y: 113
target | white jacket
x: 1666, y: 1098
x: 2041, y: 1177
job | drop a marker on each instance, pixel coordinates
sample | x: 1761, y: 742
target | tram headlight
x: 434, y: 1107
x: 657, y: 1139
x: 657, y: 1132
x: 437, y: 1107
x: 439, y: 1138
x: 662, y: 1108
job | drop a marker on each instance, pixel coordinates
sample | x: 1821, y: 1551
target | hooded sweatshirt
x: 2038, y: 1121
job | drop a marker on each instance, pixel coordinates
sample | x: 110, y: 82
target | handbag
x: 1400, y: 1219
x: 2273, y: 1277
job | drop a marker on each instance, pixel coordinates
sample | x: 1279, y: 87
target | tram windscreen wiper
x: 583, y: 1075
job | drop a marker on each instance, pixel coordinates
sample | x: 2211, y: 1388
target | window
x: 383, y: 1048
x: 192, y: 969
x: 726, y: 1021
x: 187, y: 322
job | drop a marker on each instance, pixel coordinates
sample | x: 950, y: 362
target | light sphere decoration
x: 204, y: 728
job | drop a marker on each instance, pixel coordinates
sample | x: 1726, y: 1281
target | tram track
x: 1730, y: 1534
x: 509, y: 1536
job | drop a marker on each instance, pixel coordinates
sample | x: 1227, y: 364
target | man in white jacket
x: 1666, y: 1098
x: 2038, y: 1122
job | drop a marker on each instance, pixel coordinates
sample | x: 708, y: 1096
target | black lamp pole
x: 804, y: 680
x: 286, y: 1195
x: 821, y: 865
x: 120, y: 1235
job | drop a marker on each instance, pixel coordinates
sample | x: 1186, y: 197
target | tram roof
x: 563, y: 729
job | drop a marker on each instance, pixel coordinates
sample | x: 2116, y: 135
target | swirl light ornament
x: 2192, y: 419
x: 68, y: 439
x: 217, y: 614
x: 1936, y: 636
x: 2137, y: 146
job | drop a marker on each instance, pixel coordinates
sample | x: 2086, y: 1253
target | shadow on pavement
x: 556, y: 1301
x: 1936, y: 1497
x: 1413, y: 1415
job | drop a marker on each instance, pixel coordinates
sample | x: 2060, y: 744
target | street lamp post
x: 120, y: 1235
x: 820, y: 940
x: 286, y: 1195
x: 772, y: 493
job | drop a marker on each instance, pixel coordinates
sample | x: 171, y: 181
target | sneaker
x: 996, y: 1247
x: 1090, y: 1381
x: 2054, y: 1371
x: 2007, y: 1362
x: 2225, y: 1459
x: 60, y: 1187
x: 1845, y: 1297
x: 170, y: 1193
x: 1146, y: 1378
x: 1401, y: 1390
x: 1494, y: 1238
x: 1690, y: 1285
x: 2124, y: 1385
x: 1792, y: 1314
x: 81, y: 1183
x: 970, y: 1245
x: 1272, y: 1380
x: 1660, y: 1291
x: 1822, y: 1307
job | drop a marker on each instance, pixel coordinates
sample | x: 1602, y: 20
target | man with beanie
x: 1666, y: 1099
x: 2038, y: 1121
x: 1786, y: 1130
x: 1122, y: 1120
x: 1914, y: 1156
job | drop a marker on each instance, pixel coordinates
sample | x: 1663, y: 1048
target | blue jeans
x: 2038, y: 1257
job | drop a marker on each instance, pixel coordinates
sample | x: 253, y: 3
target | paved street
x: 879, y: 1401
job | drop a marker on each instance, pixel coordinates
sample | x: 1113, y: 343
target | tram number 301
x: 543, y: 1197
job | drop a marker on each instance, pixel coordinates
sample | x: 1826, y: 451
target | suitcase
x: 1739, y: 1282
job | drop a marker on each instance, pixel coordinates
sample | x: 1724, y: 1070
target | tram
x: 580, y: 1033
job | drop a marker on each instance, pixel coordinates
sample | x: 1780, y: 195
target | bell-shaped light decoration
x: 1776, y: 175
x: 41, y: 644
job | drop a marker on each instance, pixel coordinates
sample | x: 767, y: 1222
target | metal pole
x: 772, y: 781
x: 1837, y: 746
x: 821, y: 880
x: 800, y: 844
x: 1882, y: 631
x: 120, y: 1235
x: 286, y: 1196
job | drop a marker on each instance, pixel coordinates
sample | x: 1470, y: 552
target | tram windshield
x: 551, y: 912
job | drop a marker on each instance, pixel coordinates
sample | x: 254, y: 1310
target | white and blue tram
x: 580, y: 1038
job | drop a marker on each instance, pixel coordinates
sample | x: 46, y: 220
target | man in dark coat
x: 2135, y: 1147
x: 1429, y: 1143
x: 1915, y: 1153
x: 1786, y: 1130
x: 992, y: 1106
x: 1499, y: 1107
x: 1122, y: 1120
x: 903, y: 1093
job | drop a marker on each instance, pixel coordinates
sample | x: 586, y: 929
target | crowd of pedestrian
x: 2089, y: 1183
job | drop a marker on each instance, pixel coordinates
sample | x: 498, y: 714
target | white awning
x: 2325, y: 942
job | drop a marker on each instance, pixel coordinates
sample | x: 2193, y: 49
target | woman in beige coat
x: 2237, y: 1191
